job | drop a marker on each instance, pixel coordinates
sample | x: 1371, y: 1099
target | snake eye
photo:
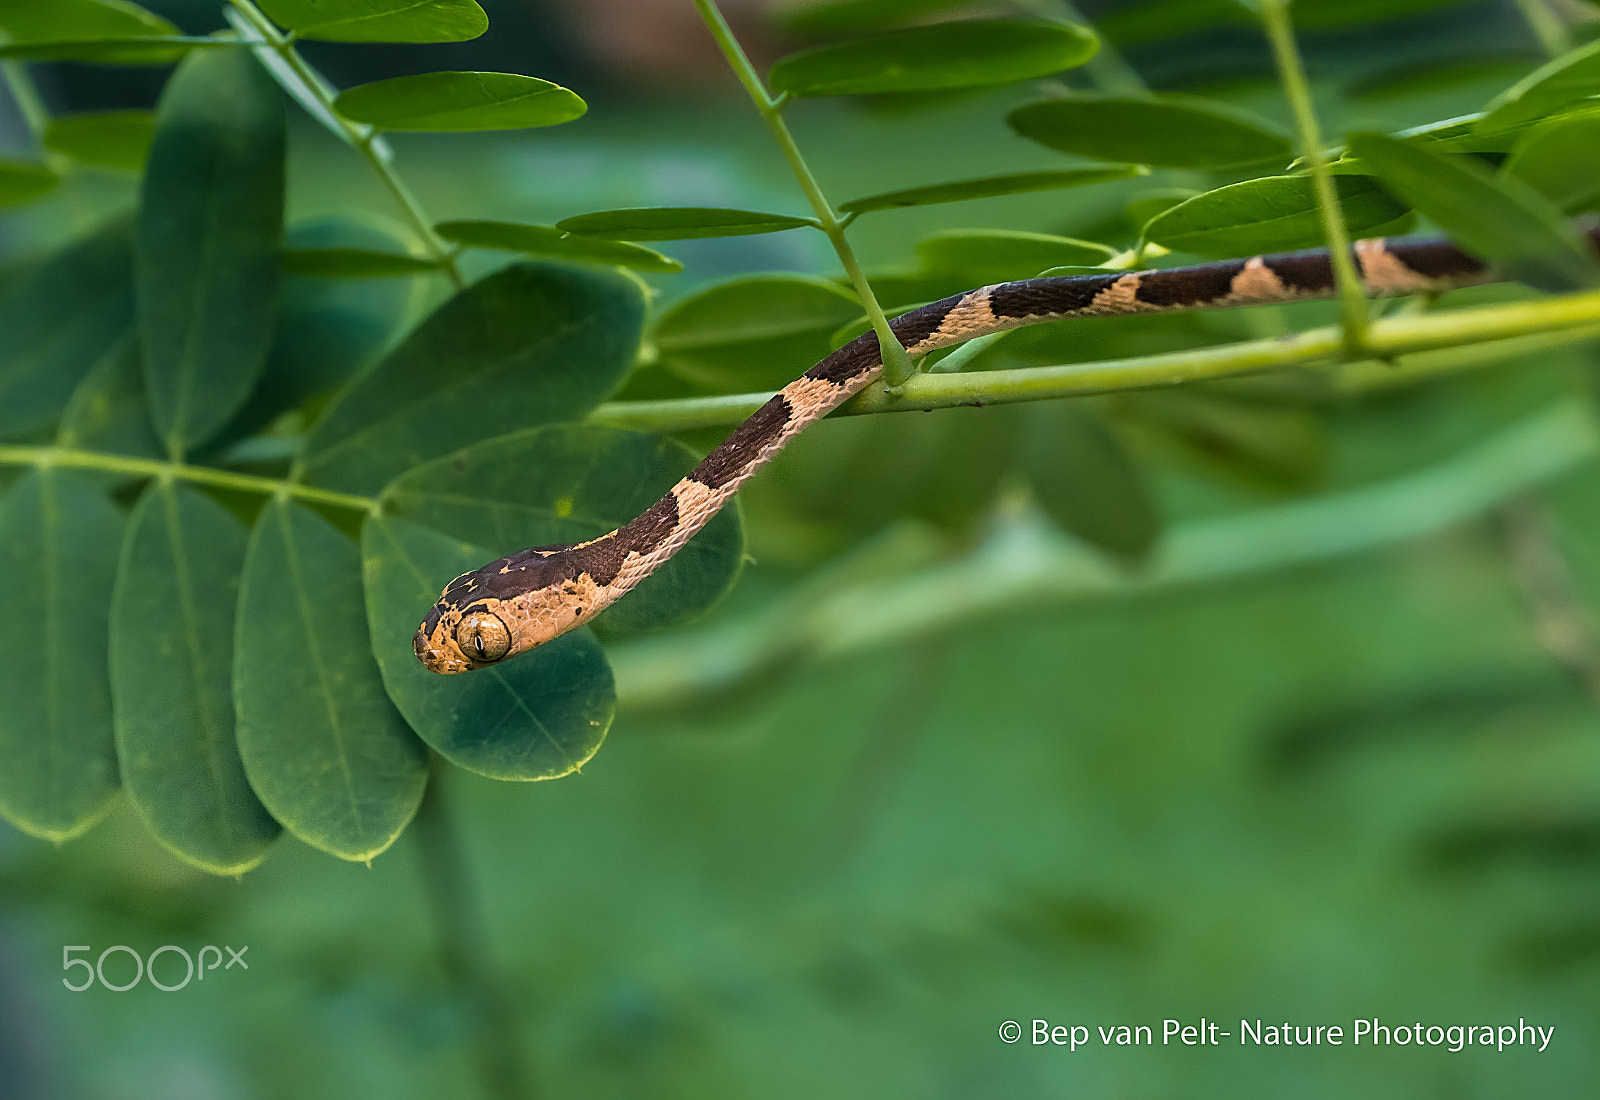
x: 483, y: 636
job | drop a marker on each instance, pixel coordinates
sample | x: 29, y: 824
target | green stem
x: 1027, y: 564
x: 363, y: 138
x: 1554, y: 36
x: 1292, y: 74
x: 1438, y: 341
x: 897, y: 366
x: 461, y: 934
x: 73, y: 458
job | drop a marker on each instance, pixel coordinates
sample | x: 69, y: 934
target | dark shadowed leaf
x: 530, y: 344
x: 548, y: 240
x: 106, y: 139
x: 59, y: 20
x: 966, y: 54
x: 676, y: 223
x: 1504, y: 221
x: 323, y: 746
x: 59, y: 318
x: 1169, y: 131
x: 994, y: 256
x: 1262, y: 446
x: 172, y: 619
x: 540, y: 715
x: 991, y: 186
x: 380, y: 20
x: 1270, y: 214
x: 108, y: 412
x: 567, y: 483
x: 1084, y: 477
x: 457, y: 102
x: 1572, y: 76
x: 58, y: 765
x: 22, y: 181
x: 353, y: 263
x: 756, y: 332
x: 1561, y: 161
x: 210, y: 230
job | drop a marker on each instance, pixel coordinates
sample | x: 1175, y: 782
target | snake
x: 526, y: 599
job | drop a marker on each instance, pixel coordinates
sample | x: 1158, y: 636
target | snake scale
x: 528, y: 598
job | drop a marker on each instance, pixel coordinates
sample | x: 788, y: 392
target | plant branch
x: 1437, y: 342
x: 364, y: 139
x: 1292, y: 75
x: 1028, y: 564
x: 1555, y: 38
x: 73, y: 458
x: 897, y: 367
x: 459, y: 926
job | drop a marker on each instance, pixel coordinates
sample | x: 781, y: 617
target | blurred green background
x: 1362, y: 787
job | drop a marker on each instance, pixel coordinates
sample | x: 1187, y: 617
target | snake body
x: 528, y: 598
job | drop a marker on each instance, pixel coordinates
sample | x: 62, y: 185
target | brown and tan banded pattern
x: 537, y: 594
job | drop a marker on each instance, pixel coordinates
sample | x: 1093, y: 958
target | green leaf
x: 1561, y: 161
x: 1147, y: 204
x: 58, y: 765
x: 676, y: 223
x: 460, y: 102
x: 146, y: 50
x: 991, y: 186
x: 328, y: 328
x: 966, y: 54
x: 60, y: 20
x: 1503, y: 221
x: 541, y: 715
x: 106, y: 139
x: 1169, y: 131
x: 1271, y: 214
x: 848, y: 16
x: 1260, y: 446
x: 60, y: 317
x: 1573, y: 76
x: 530, y: 344
x: 107, y: 411
x: 995, y: 255
x: 210, y: 230
x: 754, y: 332
x: 172, y: 617
x: 380, y: 20
x: 324, y: 748
x: 548, y: 240
x: 353, y: 263
x: 1085, y: 479
x: 568, y: 483
x: 22, y: 181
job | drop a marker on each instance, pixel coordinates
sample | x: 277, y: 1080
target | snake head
x: 451, y: 640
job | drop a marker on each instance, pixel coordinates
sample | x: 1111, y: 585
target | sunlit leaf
x: 1147, y: 204
x: 548, y: 240
x: 568, y: 483
x: 22, y: 181
x: 59, y: 20
x: 676, y: 223
x: 964, y: 54
x: 144, y: 50
x: 107, y: 139
x: 1561, y: 161
x: 380, y: 20
x: 994, y: 255
x: 540, y: 715
x: 991, y: 186
x: 1570, y: 77
x: 756, y: 332
x: 59, y: 318
x: 210, y: 230
x: 1271, y: 214
x: 530, y: 344
x: 1169, y: 131
x: 460, y: 102
x: 1504, y: 221
x: 58, y: 559
x: 172, y: 619
x: 324, y: 748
